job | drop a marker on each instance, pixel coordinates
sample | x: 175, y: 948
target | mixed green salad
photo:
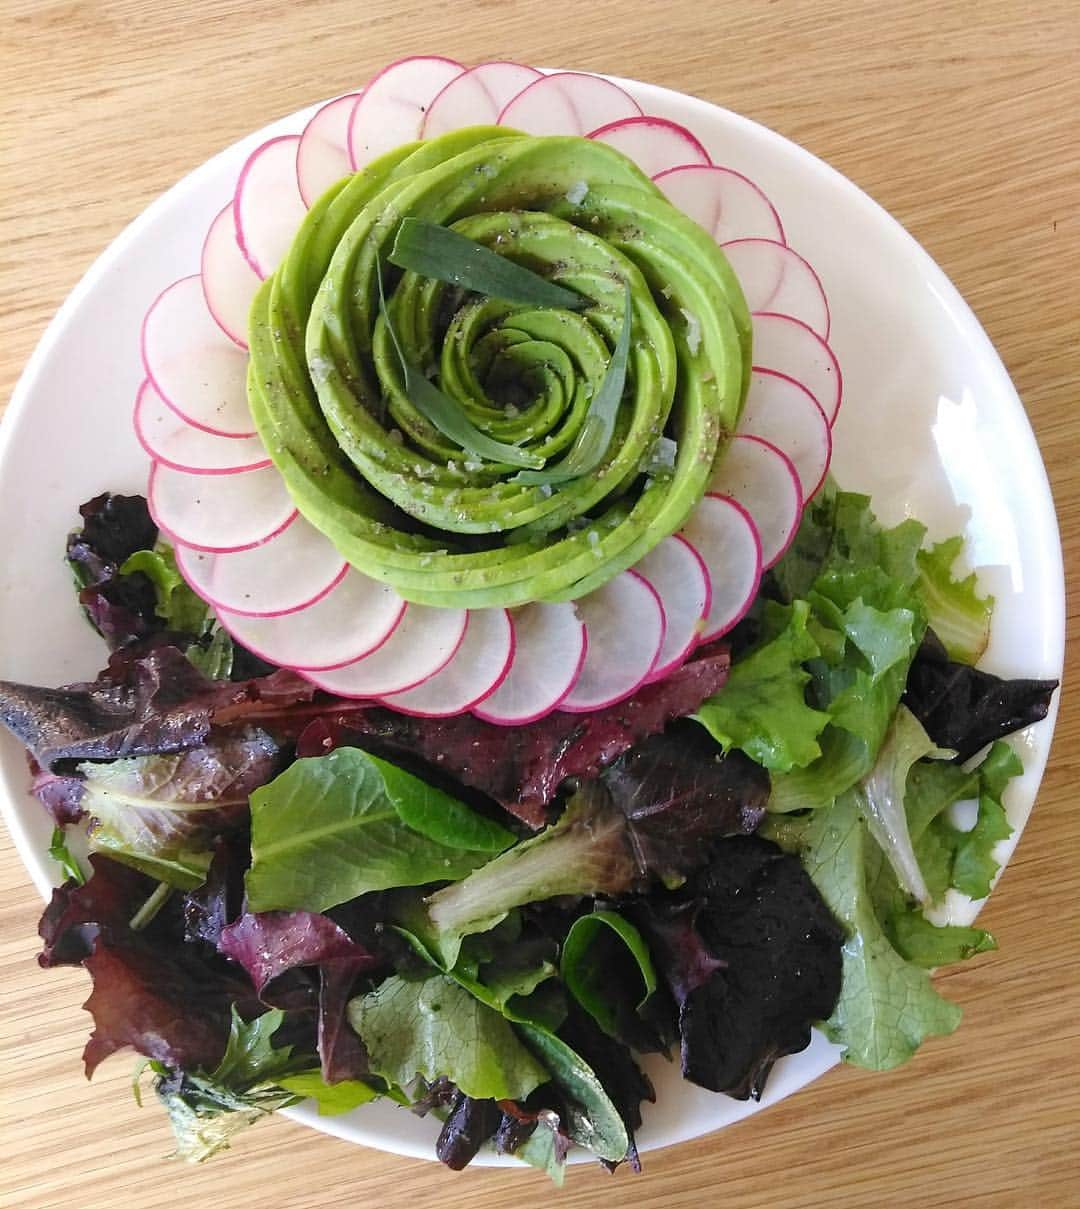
x: 290, y: 895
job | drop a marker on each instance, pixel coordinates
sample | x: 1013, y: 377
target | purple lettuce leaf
x: 61, y: 796
x: 752, y: 956
x: 77, y: 915
x: 211, y: 907
x: 274, y: 943
x: 964, y: 709
x: 469, y: 1124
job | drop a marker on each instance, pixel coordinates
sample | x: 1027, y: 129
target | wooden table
x: 960, y: 118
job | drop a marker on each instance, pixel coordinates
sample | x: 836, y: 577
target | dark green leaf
x: 60, y: 853
x: 434, y: 251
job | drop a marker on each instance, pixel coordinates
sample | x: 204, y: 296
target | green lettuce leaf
x: 762, y: 708
x: 177, y: 604
x: 332, y: 1099
x: 957, y: 613
x: 931, y: 945
x: 434, y: 1028
x: 887, y: 1006
x: 333, y: 827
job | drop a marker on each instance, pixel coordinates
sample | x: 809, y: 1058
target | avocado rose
x: 407, y: 506
x: 460, y: 413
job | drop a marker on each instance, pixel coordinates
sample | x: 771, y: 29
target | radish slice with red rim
x: 787, y: 346
x: 568, y: 102
x: 392, y: 107
x: 721, y: 531
x: 759, y: 477
x: 219, y: 511
x: 167, y: 437
x: 774, y: 278
x: 423, y: 643
x: 289, y: 571
x: 677, y: 572
x: 624, y: 621
x: 549, y: 649
x: 727, y: 204
x: 654, y: 144
x: 322, y: 155
x: 229, y: 283
x: 784, y: 413
x: 198, y: 371
x: 476, y: 97
x: 475, y: 672
x: 350, y: 621
x: 267, y: 206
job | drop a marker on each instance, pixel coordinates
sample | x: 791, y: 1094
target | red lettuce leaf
x: 521, y: 767
x: 61, y: 796
x: 752, y: 955
x: 964, y: 709
x: 76, y: 915
x: 469, y: 1124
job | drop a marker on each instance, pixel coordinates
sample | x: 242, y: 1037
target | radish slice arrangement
x: 280, y: 586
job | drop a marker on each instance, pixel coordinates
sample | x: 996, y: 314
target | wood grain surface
x: 960, y: 117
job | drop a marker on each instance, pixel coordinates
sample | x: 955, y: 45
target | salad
x: 499, y: 687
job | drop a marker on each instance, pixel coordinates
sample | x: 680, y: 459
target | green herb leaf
x: 60, y: 853
x: 177, y: 604
x: 435, y: 1027
x: 331, y: 828
x: 592, y: 442
x: 445, y: 413
x: 446, y: 255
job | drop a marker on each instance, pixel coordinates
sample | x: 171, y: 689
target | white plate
x: 931, y: 427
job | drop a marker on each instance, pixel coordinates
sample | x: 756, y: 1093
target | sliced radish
x: 784, y: 413
x: 423, y: 643
x: 169, y: 438
x: 568, y: 102
x: 774, y: 278
x: 721, y: 531
x: 268, y: 207
x: 194, y: 366
x: 475, y: 672
x: 787, y: 346
x: 350, y: 621
x: 549, y: 649
x: 229, y: 283
x: 624, y: 621
x: 219, y: 511
x: 290, y: 570
x: 391, y: 110
x: 727, y: 204
x: 677, y: 572
x: 476, y: 97
x: 322, y: 155
x: 759, y: 477
x: 654, y: 144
